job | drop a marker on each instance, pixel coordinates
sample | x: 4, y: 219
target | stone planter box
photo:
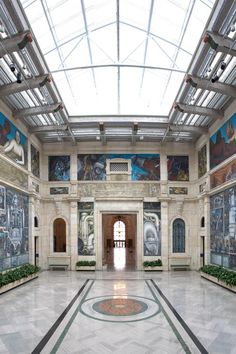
x: 219, y: 282
x: 153, y: 269
x: 85, y: 268
x: 16, y: 283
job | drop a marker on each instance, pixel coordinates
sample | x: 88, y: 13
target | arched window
x: 59, y: 235
x: 36, y: 223
x: 119, y: 234
x: 178, y: 236
x: 203, y: 222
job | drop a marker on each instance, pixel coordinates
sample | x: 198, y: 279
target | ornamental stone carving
x: 114, y: 190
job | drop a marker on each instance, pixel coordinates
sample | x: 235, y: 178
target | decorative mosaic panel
x: 86, y: 229
x: 224, y: 174
x: 178, y: 168
x: 12, y: 142
x: 202, y: 161
x: 59, y: 168
x: 143, y: 166
x: 223, y: 228
x: 35, y: 168
x: 13, y: 228
x: 223, y: 142
x: 152, y: 229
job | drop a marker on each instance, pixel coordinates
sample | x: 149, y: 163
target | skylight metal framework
x: 123, y: 67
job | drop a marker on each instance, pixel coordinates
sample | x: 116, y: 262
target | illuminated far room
x: 117, y: 176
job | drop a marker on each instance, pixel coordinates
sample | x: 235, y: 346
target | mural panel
x: 12, y: 142
x: 59, y: 190
x: 223, y: 228
x: 59, y: 168
x: 152, y: 229
x: 224, y: 174
x: 202, y: 161
x: 86, y: 229
x: 35, y: 161
x: 143, y: 166
x: 223, y: 142
x: 178, y: 190
x: 178, y: 168
x: 13, y: 228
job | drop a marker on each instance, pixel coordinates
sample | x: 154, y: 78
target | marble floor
x: 118, y: 312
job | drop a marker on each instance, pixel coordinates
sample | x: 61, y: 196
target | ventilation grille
x: 118, y: 167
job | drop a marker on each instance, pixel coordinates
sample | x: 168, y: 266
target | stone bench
x: 59, y: 262
x: 180, y: 266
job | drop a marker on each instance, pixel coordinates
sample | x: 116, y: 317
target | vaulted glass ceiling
x: 111, y: 57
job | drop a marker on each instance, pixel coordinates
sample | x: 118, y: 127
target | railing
x: 119, y: 244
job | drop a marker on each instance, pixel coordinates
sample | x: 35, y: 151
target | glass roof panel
x: 126, y: 37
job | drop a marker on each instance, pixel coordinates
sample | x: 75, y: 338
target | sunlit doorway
x: 119, y: 239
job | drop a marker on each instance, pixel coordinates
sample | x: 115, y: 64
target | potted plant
x: 219, y: 275
x: 12, y: 278
x: 85, y: 265
x: 152, y: 265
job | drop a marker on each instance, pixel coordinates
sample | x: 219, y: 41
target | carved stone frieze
x: 12, y: 174
x: 118, y: 190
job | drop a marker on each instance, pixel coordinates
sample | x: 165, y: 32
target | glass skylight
x: 112, y: 57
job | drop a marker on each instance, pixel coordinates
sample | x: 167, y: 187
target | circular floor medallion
x: 120, y: 308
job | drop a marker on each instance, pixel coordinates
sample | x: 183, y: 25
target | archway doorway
x: 119, y: 241
x: 59, y: 235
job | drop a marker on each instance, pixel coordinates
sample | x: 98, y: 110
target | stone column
x: 208, y: 230
x: 73, y: 237
x: 165, y: 235
x: 31, y: 229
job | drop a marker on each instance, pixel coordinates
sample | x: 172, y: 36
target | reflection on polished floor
x: 118, y: 312
x: 121, y: 259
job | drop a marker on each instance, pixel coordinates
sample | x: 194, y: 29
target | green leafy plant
x: 18, y: 273
x: 86, y: 263
x: 223, y: 274
x: 157, y: 263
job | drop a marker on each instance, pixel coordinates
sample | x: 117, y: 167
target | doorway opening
x: 202, y: 251
x: 119, y: 240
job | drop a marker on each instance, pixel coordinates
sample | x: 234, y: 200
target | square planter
x: 153, y: 269
x: 85, y: 268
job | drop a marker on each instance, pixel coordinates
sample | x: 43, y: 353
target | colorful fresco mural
x: 178, y: 168
x: 143, y: 166
x: 223, y: 228
x: 224, y: 174
x: 59, y: 168
x: 12, y: 142
x: 223, y: 142
x: 86, y: 229
x: 35, y: 161
x: 152, y: 229
x: 178, y: 190
x: 13, y: 228
x: 202, y: 161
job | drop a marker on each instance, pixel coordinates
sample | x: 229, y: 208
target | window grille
x: 118, y: 167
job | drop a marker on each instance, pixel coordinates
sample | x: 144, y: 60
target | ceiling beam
x: 34, y: 111
x: 15, y: 43
x: 117, y: 119
x: 26, y: 84
x: 204, y: 84
x: 202, y: 111
x: 48, y: 128
x: 220, y: 43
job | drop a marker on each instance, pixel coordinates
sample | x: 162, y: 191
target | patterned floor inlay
x: 121, y: 316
